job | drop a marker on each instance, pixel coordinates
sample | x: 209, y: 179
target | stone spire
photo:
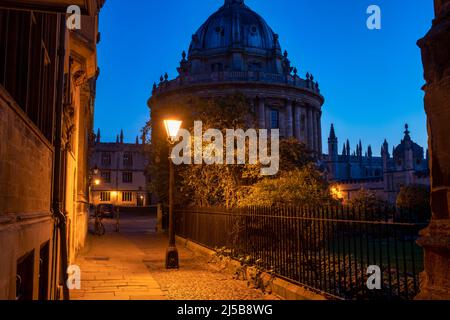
x: 407, y: 132
x: 137, y: 139
x: 98, y: 136
x: 332, y: 133
x: 360, y: 148
x: 121, y: 136
x: 333, y: 144
x: 348, y: 147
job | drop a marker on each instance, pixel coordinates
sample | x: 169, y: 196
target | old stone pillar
x: 314, y: 126
x: 268, y: 118
x: 319, y: 133
x: 297, y: 122
x: 289, y: 120
x: 282, y: 122
x: 310, y: 129
x: 435, y: 239
x: 261, y: 114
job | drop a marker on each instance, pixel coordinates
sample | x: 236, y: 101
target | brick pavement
x: 130, y: 265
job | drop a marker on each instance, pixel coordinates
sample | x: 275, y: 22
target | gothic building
x: 385, y: 174
x: 121, y: 179
x: 48, y: 79
x: 235, y: 50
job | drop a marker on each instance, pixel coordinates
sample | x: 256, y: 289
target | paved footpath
x: 130, y: 265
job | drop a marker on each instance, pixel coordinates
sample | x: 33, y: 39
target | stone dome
x: 234, y: 25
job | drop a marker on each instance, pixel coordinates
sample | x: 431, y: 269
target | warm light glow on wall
x: 97, y: 182
x: 336, y: 193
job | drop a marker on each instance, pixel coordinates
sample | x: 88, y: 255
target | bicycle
x: 99, y: 227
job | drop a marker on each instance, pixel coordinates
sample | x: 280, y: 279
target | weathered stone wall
x: 26, y: 164
x: 436, y: 238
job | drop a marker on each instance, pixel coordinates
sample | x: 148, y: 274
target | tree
x: 414, y: 200
x: 304, y: 186
x: 366, y: 199
x: 205, y: 185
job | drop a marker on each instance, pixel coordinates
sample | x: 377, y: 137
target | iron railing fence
x: 327, y: 249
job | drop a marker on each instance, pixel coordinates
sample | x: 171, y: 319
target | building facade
x: 235, y: 51
x: 384, y: 175
x: 121, y: 178
x: 47, y: 92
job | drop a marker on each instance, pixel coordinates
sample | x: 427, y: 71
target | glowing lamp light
x: 97, y: 182
x: 172, y: 128
x: 114, y: 193
x: 337, y: 193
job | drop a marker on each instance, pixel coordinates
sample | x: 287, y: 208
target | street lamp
x: 172, y: 129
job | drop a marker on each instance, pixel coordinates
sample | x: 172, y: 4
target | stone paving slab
x: 130, y: 266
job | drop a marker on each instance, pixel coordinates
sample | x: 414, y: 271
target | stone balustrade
x: 236, y: 76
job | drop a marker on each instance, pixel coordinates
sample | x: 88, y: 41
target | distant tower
x: 386, y: 156
x: 137, y: 139
x: 98, y: 136
x: 332, y: 145
x: 333, y: 155
x: 117, y: 139
x: 360, y: 152
x: 121, y: 136
x: 408, y: 156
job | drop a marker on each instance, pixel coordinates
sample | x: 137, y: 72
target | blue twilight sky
x: 371, y: 80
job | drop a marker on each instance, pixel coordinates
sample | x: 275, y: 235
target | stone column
x: 282, y: 122
x: 319, y: 133
x: 289, y: 120
x: 297, y: 122
x: 315, y: 135
x: 261, y: 114
x: 309, y: 120
x: 268, y: 119
x: 435, y: 239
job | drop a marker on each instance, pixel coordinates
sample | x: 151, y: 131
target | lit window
x: 105, y: 196
x: 127, y: 196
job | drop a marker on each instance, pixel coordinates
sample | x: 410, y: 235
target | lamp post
x: 172, y: 129
x: 94, y: 180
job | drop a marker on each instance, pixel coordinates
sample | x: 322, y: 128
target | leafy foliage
x: 366, y: 199
x: 415, y: 198
x: 302, y: 187
x: 298, y: 182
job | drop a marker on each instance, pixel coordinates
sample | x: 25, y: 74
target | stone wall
x: 436, y: 238
x: 26, y: 164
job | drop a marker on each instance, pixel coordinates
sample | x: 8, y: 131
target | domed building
x: 236, y: 51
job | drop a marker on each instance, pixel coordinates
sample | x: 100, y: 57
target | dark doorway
x: 44, y: 260
x: 24, y: 277
x: 140, y: 200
